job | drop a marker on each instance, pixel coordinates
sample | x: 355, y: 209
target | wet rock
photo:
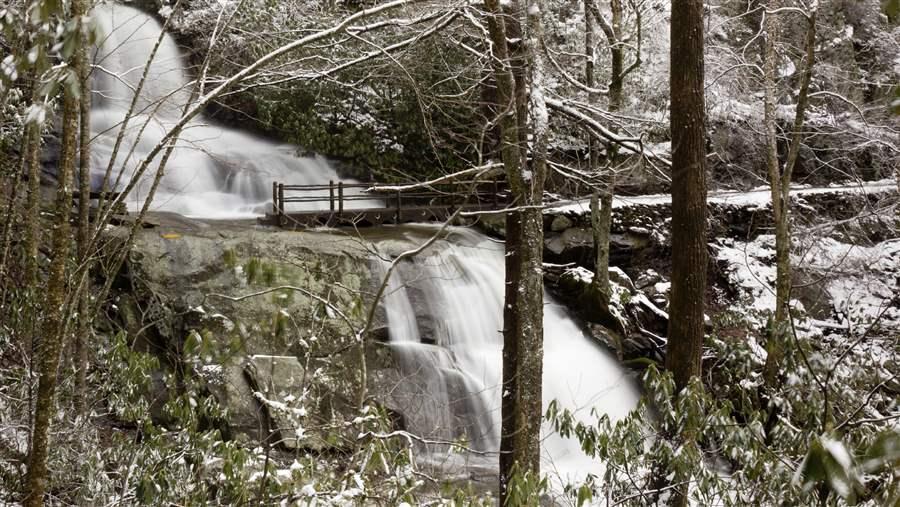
x: 231, y: 388
x: 618, y: 276
x: 561, y: 223
x: 647, y: 278
x: 278, y: 383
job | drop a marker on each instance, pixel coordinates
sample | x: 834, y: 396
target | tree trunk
x: 511, y: 332
x: 54, y: 318
x: 601, y: 222
x: 780, y: 181
x: 523, y: 305
x: 689, y: 255
x: 617, y: 58
x: 82, y: 68
x: 775, y: 346
x: 600, y: 283
x: 32, y: 220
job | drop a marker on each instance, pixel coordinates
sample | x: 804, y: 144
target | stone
x: 561, y: 223
x: 647, y: 316
x: 278, y: 384
x: 569, y: 239
x: 647, y: 278
x: 618, y: 276
x: 229, y: 385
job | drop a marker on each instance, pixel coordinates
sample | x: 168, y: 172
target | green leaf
x: 884, y: 450
x: 69, y: 43
x: 828, y: 461
x: 584, y: 495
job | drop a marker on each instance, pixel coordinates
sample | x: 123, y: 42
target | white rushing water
x: 452, y: 360
x: 214, y: 172
x: 453, y: 297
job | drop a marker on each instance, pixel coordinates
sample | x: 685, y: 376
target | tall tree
x: 689, y: 256
x: 83, y: 71
x: 618, y: 43
x: 518, y: 69
x: 780, y: 177
x: 54, y: 311
x: 688, y: 130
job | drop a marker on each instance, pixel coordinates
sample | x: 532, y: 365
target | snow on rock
x: 757, y: 197
x: 750, y: 268
x: 860, y: 282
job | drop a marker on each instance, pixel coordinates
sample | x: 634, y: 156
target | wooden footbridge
x: 370, y: 204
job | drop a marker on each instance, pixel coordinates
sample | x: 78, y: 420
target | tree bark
x: 521, y: 405
x: 689, y: 255
x: 82, y: 68
x: 780, y: 183
x: 602, y: 214
x: 511, y: 332
x: 32, y: 220
x: 54, y: 318
x: 775, y: 345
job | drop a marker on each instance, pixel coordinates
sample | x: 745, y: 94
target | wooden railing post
x: 340, y: 197
x: 280, y: 200
x: 274, y: 197
x: 331, y: 195
x: 399, y: 212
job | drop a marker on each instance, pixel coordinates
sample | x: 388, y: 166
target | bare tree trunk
x: 513, y: 159
x: 689, y: 255
x: 775, y: 346
x: 600, y: 283
x: 32, y: 220
x: 511, y: 332
x: 523, y: 307
x: 617, y: 57
x: 616, y: 84
x: 54, y: 318
x: 780, y: 181
x: 82, y: 67
x: 601, y: 222
x: 601, y: 215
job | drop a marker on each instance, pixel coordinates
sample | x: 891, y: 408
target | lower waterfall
x: 445, y: 316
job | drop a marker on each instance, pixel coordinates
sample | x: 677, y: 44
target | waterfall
x: 214, y: 172
x: 448, y: 350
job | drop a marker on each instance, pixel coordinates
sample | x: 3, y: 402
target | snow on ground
x: 750, y: 268
x: 759, y: 197
x: 860, y: 282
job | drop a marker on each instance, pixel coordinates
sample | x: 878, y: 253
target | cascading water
x: 214, y: 172
x: 451, y: 361
x: 449, y: 351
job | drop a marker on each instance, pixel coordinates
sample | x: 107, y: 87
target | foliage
x: 736, y: 453
x: 385, y: 118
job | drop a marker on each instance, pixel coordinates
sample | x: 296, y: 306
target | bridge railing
x: 341, y: 196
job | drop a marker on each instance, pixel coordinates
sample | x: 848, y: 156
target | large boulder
x: 226, y: 298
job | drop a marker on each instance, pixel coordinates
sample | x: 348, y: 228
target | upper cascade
x: 214, y: 171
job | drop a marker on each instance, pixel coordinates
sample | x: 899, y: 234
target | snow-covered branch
x: 486, y: 170
x: 637, y: 148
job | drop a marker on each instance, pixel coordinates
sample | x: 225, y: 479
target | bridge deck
x: 365, y: 205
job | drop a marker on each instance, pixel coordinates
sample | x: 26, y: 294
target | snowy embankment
x: 857, y: 285
x: 845, y: 257
x: 758, y: 197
